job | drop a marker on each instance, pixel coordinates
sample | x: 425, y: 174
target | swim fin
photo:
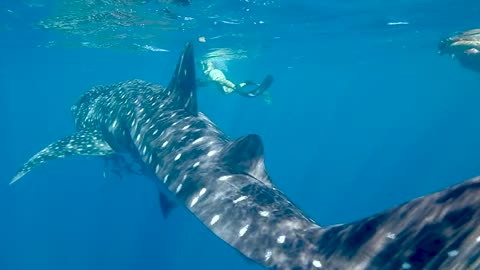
x: 260, y: 89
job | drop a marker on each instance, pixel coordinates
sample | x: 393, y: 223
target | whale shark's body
x: 225, y: 185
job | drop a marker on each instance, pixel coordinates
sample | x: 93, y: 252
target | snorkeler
x: 228, y: 87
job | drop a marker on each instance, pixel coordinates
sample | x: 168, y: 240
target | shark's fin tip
x: 13, y: 181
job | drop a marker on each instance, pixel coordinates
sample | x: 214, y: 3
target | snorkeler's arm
x: 206, y: 71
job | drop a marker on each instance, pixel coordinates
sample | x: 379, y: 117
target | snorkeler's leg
x: 227, y: 83
x: 227, y: 90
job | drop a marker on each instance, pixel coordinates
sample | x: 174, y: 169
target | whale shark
x: 224, y: 183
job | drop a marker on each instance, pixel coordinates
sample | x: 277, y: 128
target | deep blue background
x: 364, y: 116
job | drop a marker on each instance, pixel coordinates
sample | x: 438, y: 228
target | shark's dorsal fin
x: 245, y: 155
x: 85, y: 142
x: 183, y: 83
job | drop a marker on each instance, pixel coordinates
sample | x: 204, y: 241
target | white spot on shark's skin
x: 138, y: 137
x: 211, y: 153
x: 178, y: 188
x: 224, y: 178
x: 198, y: 140
x: 478, y: 239
x: 240, y: 199
x: 186, y: 127
x: 155, y: 132
x: 214, y: 219
x: 165, y: 144
x: 391, y: 235
x: 317, y: 263
x: 406, y: 265
x: 243, y: 230
x: 152, y: 125
x: 165, y: 179
x: 150, y: 158
x: 144, y: 150
x: 175, y: 123
x: 281, y: 239
x: 196, y: 164
x: 157, y: 169
x: 178, y: 156
x: 453, y: 253
x: 264, y: 213
x: 195, y: 199
x: 268, y: 255
x: 115, y: 123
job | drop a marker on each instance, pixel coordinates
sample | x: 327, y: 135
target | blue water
x: 365, y: 116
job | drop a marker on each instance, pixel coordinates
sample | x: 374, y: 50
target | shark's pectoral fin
x: 245, y: 155
x: 85, y: 142
x: 183, y: 83
x: 166, y: 204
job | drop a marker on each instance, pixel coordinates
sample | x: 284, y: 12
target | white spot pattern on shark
x: 232, y: 194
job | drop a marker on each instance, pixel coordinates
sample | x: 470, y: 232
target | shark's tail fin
x: 85, y: 142
x: 183, y: 83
